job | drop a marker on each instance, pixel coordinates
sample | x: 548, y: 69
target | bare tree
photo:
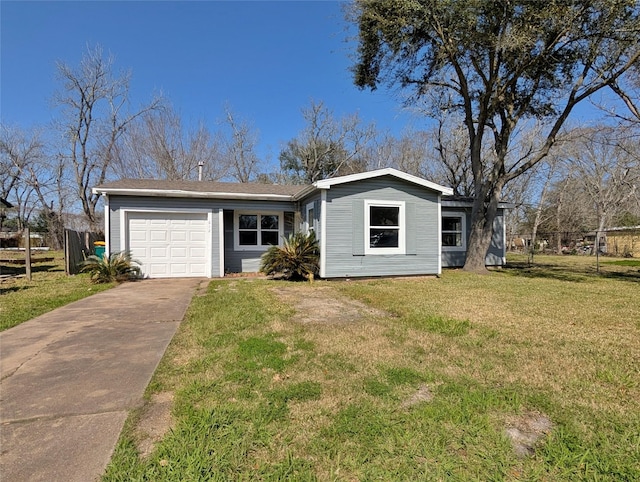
x: 33, y: 179
x: 158, y: 146
x: 608, y: 170
x: 238, y: 148
x: 326, y: 147
x: 94, y: 102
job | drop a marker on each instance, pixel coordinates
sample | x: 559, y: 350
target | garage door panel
x: 197, y: 253
x: 179, y: 252
x: 157, y: 235
x: 158, y: 252
x: 197, y: 236
x: 158, y: 270
x: 178, y: 235
x: 179, y: 269
x: 138, y: 235
x: 170, y: 244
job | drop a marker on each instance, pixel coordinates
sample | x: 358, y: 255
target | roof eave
x: 192, y: 194
x: 456, y: 203
x: 389, y: 171
x: 304, y: 192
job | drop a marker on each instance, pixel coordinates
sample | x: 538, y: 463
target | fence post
x: 67, y: 261
x: 27, y: 253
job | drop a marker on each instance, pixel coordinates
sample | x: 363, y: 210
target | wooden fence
x: 77, y: 246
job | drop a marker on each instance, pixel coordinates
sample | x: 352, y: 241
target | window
x: 453, y: 232
x: 384, y: 227
x: 256, y: 232
x: 311, y: 223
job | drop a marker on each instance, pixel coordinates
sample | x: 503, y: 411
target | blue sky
x: 266, y: 59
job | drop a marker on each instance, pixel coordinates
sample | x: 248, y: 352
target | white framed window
x: 454, y: 231
x: 256, y: 231
x: 311, y: 224
x: 385, y: 227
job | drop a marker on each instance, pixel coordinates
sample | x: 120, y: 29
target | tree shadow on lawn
x: 577, y: 274
x: 12, y: 289
x: 20, y: 270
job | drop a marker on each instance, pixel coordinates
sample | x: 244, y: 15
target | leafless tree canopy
x: 157, y: 145
x: 94, y: 116
x: 327, y: 146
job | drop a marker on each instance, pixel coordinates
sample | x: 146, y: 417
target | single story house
x: 377, y: 223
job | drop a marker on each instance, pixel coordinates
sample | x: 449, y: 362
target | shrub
x: 298, y: 258
x: 115, y: 267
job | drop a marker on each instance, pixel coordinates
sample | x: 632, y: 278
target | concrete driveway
x: 70, y: 377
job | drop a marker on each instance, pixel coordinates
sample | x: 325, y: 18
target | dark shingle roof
x: 203, y: 187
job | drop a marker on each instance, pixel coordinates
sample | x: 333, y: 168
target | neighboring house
x: 623, y: 241
x: 378, y: 223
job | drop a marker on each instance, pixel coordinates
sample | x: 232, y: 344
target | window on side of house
x: 453, y: 232
x: 384, y: 227
x: 257, y: 231
x: 311, y: 223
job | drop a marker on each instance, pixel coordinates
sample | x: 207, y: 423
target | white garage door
x: 169, y: 245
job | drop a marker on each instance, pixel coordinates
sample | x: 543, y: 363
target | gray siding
x: 244, y: 261
x: 317, y: 206
x: 345, y: 229
x: 456, y: 259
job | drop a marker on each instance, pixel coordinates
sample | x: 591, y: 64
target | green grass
x: 260, y: 395
x: 49, y: 288
x: 623, y: 262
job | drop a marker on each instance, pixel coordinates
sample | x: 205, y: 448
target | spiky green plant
x: 298, y: 258
x: 115, y: 267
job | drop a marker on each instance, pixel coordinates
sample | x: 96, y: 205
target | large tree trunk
x: 483, y: 216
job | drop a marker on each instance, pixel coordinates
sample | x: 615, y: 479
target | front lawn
x: 523, y: 374
x: 49, y: 288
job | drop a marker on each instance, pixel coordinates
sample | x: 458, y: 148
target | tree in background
x: 607, y: 167
x: 498, y: 64
x: 327, y: 147
x: 20, y: 153
x: 32, y: 178
x: 239, y: 148
x: 157, y: 145
x: 94, y: 116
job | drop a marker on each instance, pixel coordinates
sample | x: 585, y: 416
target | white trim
x: 221, y: 240
x: 439, y: 223
x: 208, y: 267
x: 402, y: 228
x: 107, y: 226
x: 327, y: 183
x: 457, y: 203
x: 236, y: 236
x: 323, y: 234
x: 124, y: 227
x: 504, y: 239
x: 192, y: 194
x: 463, y: 224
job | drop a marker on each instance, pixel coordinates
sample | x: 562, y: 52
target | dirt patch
x: 526, y: 431
x: 423, y: 394
x: 154, y: 423
x: 322, y: 304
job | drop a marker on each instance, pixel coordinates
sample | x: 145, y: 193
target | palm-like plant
x: 298, y: 258
x: 115, y: 267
